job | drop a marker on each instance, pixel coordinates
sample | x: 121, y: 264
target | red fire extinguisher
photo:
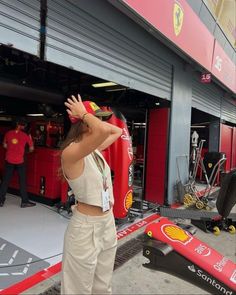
x: 119, y: 157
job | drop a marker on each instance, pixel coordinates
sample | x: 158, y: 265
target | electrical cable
x: 56, y: 211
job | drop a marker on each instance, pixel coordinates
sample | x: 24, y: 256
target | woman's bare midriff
x: 90, y: 209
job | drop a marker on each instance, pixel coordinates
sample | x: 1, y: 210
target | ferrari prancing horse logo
x: 178, y: 17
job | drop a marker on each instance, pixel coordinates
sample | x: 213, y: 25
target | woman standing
x: 90, y: 240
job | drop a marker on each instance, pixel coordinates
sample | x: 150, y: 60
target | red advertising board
x: 179, y: 23
x: 223, y: 68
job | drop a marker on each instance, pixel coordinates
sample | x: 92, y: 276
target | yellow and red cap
x: 92, y: 108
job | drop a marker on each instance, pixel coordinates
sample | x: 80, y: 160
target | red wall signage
x: 178, y: 22
x: 223, y: 67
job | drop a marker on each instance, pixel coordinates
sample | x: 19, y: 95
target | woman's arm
x: 97, y: 132
x: 115, y: 133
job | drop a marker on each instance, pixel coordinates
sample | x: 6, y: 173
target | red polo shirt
x: 16, y: 141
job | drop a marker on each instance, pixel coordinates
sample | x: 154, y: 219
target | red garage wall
x: 42, y: 163
x: 156, y: 163
x: 234, y: 149
x: 226, y: 144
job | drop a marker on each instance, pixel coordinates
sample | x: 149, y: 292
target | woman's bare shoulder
x: 69, y: 150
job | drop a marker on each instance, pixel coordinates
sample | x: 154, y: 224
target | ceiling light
x: 115, y: 89
x: 5, y: 119
x: 35, y: 115
x: 104, y: 84
x: 139, y: 124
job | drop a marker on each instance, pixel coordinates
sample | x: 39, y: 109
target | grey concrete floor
x: 133, y: 278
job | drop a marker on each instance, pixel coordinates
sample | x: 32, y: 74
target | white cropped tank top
x: 87, y: 188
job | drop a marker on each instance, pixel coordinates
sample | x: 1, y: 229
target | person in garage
x: 90, y: 240
x: 15, y: 142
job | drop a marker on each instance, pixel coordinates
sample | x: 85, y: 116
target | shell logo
x: 178, y: 18
x: 128, y: 200
x: 176, y: 234
x: 210, y: 165
x: 14, y: 141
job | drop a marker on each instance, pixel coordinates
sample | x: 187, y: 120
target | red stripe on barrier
x: 176, y: 205
x: 130, y: 229
x: 32, y: 280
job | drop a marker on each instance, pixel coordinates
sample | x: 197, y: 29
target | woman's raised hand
x: 75, y: 106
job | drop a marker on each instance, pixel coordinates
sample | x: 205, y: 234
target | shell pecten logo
x: 176, y: 234
x: 128, y: 200
x: 14, y: 140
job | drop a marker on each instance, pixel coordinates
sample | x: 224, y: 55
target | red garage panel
x: 234, y: 149
x: 156, y: 155
x: 48, y: 161
x: 42, y: 164
x: 226, y: 143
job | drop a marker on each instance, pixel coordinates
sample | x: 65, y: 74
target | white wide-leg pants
x: 89, y: 253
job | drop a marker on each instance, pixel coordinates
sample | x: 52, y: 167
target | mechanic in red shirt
x: 15, y: 142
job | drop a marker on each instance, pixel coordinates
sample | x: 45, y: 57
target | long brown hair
x: 75, y: 134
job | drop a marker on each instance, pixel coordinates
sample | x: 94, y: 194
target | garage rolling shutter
x: 20, y: 24
x: 88, y: 36
x: 228, y: 111
x: 206, y: 97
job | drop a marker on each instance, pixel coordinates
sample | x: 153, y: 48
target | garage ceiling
x: 26, y: 82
